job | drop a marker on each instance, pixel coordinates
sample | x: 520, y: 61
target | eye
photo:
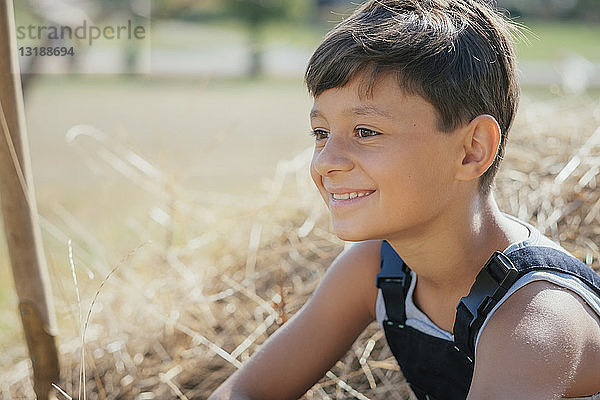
x: 319, y: 134
x: 366, y: 132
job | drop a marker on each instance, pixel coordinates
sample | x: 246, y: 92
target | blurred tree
x: 329, y: 3
x: 255, y: 13
x: 587, y: 10
x: 584, y: 10
x: 178, y: 8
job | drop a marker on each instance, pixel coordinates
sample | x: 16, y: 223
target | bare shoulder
x: 361, y: 255
x: 357, y: 266
x: 543, y: 342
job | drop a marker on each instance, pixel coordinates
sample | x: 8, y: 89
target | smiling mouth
x: 351, y: 195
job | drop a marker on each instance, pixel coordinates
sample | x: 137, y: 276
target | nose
x: 334, y: 156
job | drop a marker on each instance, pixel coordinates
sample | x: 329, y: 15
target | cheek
x: 317, y: 179
x: 406, y: 185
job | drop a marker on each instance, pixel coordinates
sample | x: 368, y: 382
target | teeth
x: 341, y: 196
x: 346, y: 196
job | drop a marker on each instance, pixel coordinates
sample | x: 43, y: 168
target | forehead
x: 382, y: 98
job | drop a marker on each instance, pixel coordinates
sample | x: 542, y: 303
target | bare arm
x: 300, y: 353
x: 544, y: 352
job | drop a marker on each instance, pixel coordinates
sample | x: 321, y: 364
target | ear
x: 480, y: 146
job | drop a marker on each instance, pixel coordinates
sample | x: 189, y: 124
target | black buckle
x: 394, y: 282
x: 382, y: 279
x: 394, y: 290
x: 491, y: 284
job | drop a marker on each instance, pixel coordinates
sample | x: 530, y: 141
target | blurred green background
x: 213, y: 101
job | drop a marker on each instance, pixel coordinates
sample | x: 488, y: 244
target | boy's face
x: 380, y: 163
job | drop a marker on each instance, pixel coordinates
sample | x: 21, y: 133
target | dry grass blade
x: 203, y: 340
x: 253, y: 296
x: 62, y: 392
x: 82, y: 379
x: 346, y: 387
x: 363, y: 361
x: 576, y: 160
x: 13, y: 155
x: 168, y: 379
x: 258, y: 332
x: 106, y: 278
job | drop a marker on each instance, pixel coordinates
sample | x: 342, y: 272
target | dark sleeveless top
x: 441, y: 369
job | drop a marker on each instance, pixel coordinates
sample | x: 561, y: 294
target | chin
x: 351, y: 238
x: 351, y: 235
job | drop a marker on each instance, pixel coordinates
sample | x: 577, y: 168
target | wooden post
x: 23, y: 234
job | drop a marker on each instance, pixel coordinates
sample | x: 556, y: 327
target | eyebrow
x: 358, y: 110
x: 369, y: 110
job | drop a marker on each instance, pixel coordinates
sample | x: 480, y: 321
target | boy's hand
x: 550, y: 350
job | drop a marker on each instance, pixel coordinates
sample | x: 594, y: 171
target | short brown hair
x: 457, y: 54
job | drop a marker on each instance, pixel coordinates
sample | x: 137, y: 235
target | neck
x: 449, y: 251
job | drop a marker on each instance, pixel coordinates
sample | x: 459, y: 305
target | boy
x: 413, y: 100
